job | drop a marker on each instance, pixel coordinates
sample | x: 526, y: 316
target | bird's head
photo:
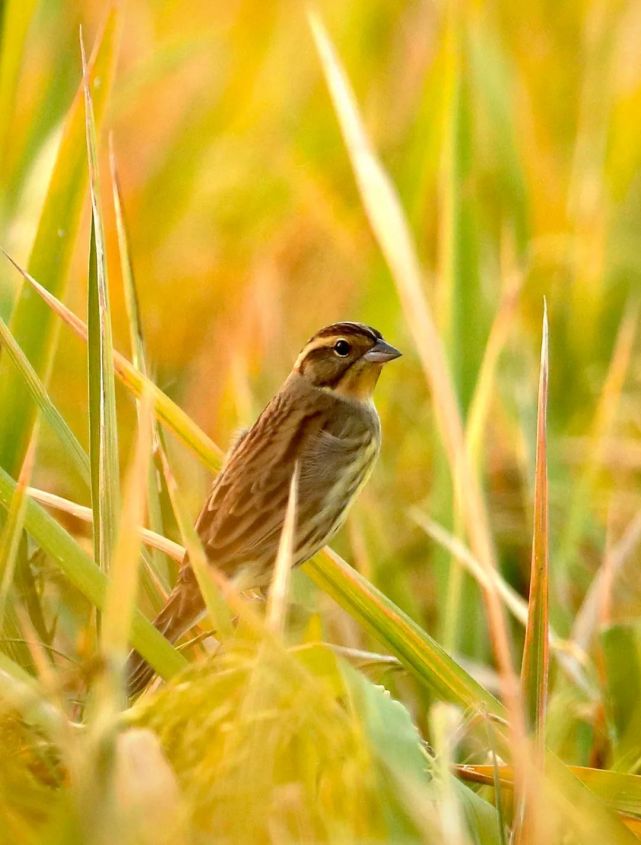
x: 345, y: 358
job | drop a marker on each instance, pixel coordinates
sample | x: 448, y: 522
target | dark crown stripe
x: 346, y: 329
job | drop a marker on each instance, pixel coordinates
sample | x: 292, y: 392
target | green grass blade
x: 103, y: 427
x: 32, y: 323
x: 461, y: 294
x: 120, y: 601
x: 138, y: 354
x: 621, y: 646
x: 16, y: 18
x: 40, y: 397
x: 536, y: 658
x: 164, y: 408
x: 150, y: 538
x: 416, y: 650
x: 83, y: 573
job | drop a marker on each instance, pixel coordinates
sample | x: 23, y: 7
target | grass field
x: 221, y: 180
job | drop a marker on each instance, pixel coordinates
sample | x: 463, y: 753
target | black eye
x: 342, y: 348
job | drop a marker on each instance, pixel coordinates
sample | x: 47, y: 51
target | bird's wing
x: 243, y: 516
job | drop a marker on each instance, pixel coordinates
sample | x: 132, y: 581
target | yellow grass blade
x: 120, y: 600
x: 536, y: 659
x: 277, y: 602
x: 207, y: 582
x: 83, y: 573
x: 165, y: 409
x: 388, y: 223
x: 150, y: 538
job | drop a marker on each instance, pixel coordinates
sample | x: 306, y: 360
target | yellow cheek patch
x: 359, y: 381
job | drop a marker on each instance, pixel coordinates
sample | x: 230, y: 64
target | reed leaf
x: 83, y: 573
x: 32, y: 323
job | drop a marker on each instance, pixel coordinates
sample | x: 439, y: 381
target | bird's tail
x: 183, y: 608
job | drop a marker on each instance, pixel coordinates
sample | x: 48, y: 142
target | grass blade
x: 389, y: 225
x: 103, y: 428
x: 12, y: 529
x: 120, y: 600
x: 536, y: 658
x: 16, y: 18
x: 40, y: 396
x: 149, y: 538
x: 165, y: 409
x: 209, y: 587
x: 416, y: 650
x: 620, y: 791
x: 83, y: 573
x: 138, y: 355
x: 276, y: 614
x: 10, y: 561
x: 32, y: 323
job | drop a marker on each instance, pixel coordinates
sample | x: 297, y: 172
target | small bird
x: 323, y: 419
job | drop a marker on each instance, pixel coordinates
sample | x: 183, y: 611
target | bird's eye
x: 342, y: 348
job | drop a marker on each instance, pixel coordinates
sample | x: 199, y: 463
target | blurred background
x: 512, y: 133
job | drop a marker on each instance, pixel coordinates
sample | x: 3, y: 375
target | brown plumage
x: 324, y: 418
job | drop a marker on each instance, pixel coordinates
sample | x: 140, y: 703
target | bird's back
x: 335, y: 442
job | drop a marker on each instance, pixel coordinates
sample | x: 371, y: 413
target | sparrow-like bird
x: 323, y: 417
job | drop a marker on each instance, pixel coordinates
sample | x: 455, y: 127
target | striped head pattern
x: 346, y: 359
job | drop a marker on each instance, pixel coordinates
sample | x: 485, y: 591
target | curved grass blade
x: 618, y: 790
x: 103, y: 427
x: 32, y: 323
x: 40, y: 396
x: 164, y: 408
x: 536, y: 657
x: 416, y: 650
x: 387, y: 219
x: 149, y: 538
x: 83, y: 573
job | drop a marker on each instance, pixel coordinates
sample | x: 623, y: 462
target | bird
x: 323, y: 421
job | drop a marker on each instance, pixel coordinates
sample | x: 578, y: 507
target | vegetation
x: 180, y: 210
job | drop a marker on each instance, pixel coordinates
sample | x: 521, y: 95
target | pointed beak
x: 381, y: 353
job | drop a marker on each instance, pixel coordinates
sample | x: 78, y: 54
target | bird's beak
x: 381, y: 353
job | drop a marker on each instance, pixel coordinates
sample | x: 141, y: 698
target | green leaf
x: 83, y: 573
x: 32, y: 323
